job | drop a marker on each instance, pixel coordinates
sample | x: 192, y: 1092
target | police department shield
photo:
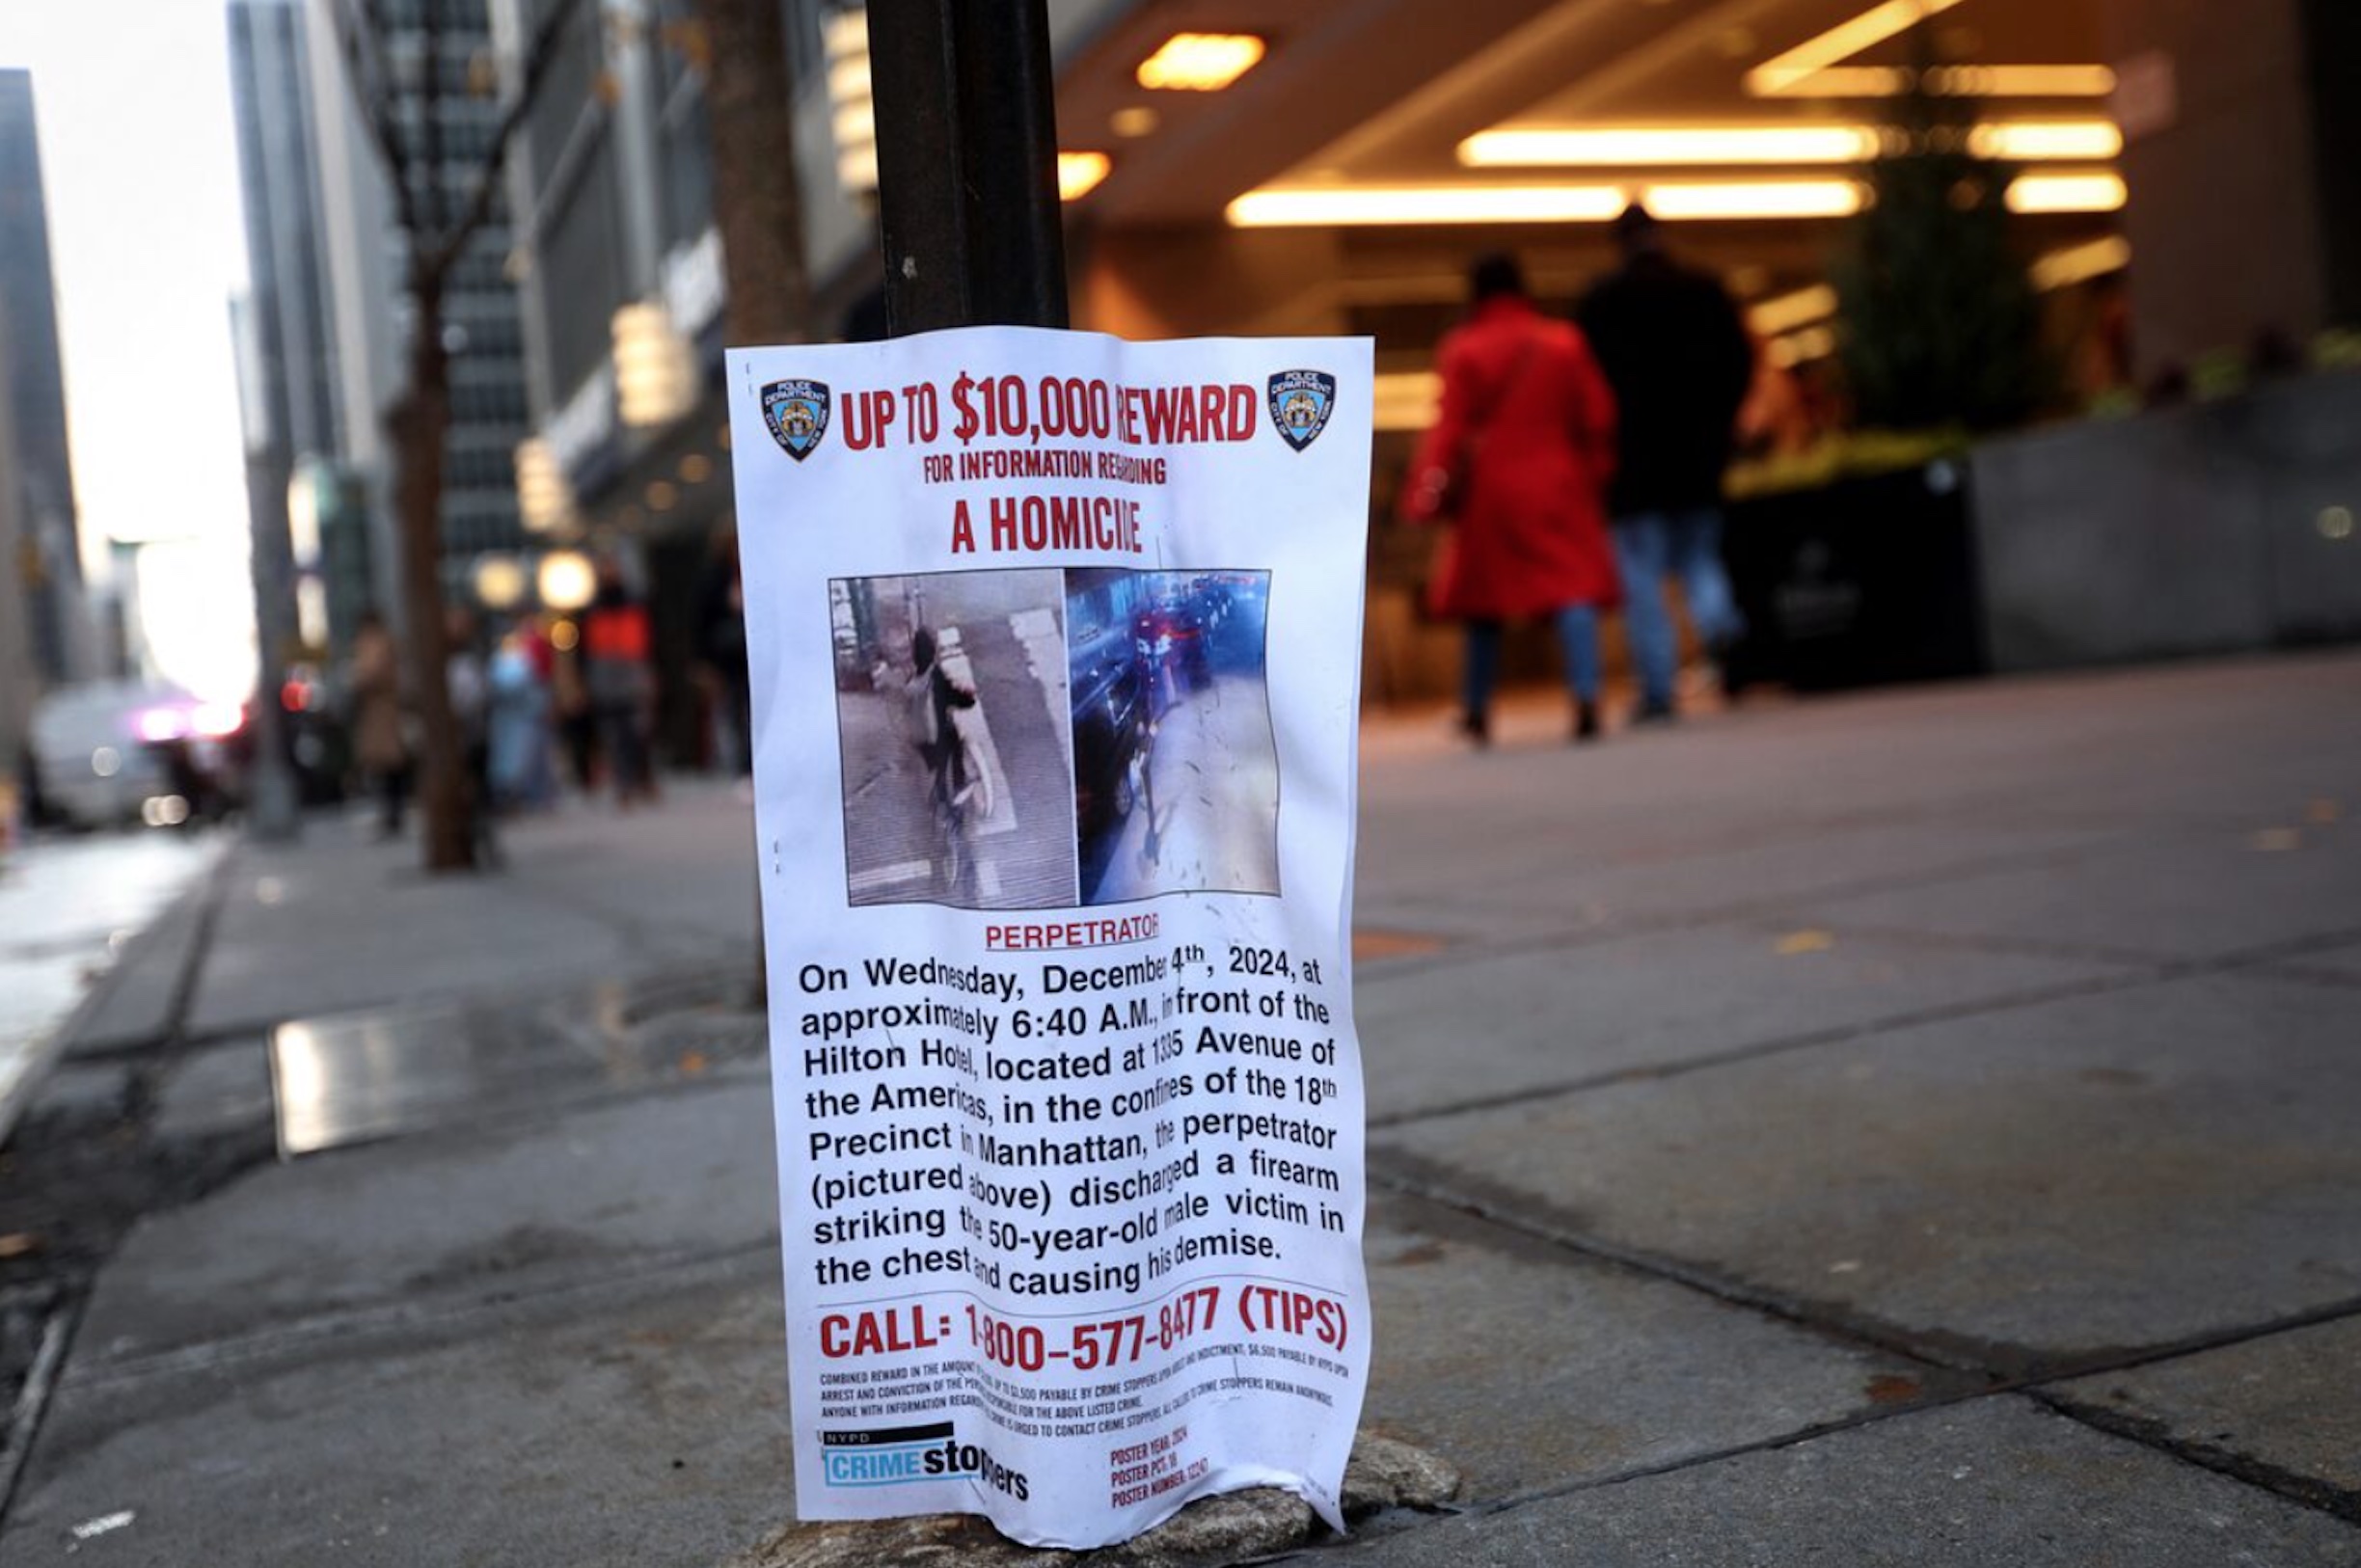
x: 798, y: 415
x: 1301, y: 403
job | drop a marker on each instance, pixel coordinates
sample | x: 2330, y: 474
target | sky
x: 140, y: 164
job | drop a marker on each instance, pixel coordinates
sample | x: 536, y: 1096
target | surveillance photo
x: 1175, y: 765
x: 951, y: 710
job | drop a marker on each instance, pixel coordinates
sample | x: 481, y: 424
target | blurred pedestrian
x: 1518, y: 464
x: 1677, y: 354
x: 380, y: 749
x: 617, y: 646
x: 721, y: 654
x: 577, y: 724
x: 518, y: 763
x: 471, y: 702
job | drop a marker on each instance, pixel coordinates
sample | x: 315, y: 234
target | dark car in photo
x: 1105, y: 679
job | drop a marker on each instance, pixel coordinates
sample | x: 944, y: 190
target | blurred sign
x: 584, y: 423
x: 1055, y: 650
x: 693, y: 283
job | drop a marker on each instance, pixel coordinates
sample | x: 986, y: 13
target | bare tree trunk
x: 434, y: 231
x: 418, y: 426
x: 759, y: 205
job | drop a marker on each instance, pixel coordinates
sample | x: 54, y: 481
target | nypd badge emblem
x: 798, y: 415
x: 1301, y: 403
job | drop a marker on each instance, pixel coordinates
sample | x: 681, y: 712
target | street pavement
x: 1916, y: 1129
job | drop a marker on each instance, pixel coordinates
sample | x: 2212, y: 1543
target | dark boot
x: 1585, y: 721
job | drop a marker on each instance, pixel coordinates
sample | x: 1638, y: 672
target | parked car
x: 1109, y: 692
x: 121, y: 752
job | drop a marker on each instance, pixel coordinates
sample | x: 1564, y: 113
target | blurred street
x: 1908, y: 1127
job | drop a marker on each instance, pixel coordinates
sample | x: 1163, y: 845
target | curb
x: 43, y: 1055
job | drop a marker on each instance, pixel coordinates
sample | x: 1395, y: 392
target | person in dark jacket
x: 931, y: 696
x: 721, y: 654
x: 1677, y: 354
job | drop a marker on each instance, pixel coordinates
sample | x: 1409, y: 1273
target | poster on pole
x: 1055, y: 647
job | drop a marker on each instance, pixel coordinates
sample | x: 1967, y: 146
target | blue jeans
x: 1650, y: 546
x: 1576, y: 633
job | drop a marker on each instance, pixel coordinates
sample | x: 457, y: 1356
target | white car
x: 118, y: 752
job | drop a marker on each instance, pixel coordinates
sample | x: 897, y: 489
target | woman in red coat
x: 1528, y: 436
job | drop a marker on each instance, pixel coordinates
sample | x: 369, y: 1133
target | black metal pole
x: 966, y: 137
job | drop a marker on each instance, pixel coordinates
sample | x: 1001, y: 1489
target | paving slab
x: 2188, y: 896
x: 682, y: 873
x: 1998, y: 1481
x: 2236, y: 745
x: 301, y: 936
x: 340, y: 920
x: 1529, y: 1367
x: 2023, y: 1187
x: 1719, y: 870
x: 355, y: 1076
x: 2241, y: 735
x: 221, y: 1090
x: 1474, y: 1029
x: 2290, y: 1402
x: 551, y: 1199
x: 639, y: 1426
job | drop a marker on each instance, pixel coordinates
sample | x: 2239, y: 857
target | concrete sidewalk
x: 1910, y: 1129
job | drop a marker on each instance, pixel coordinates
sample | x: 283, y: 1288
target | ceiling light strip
x: 1622, y: 147
x: 2067, y: 193
x: 1786, y: 71
x: 1952, y: 82
x: 1675, y: 201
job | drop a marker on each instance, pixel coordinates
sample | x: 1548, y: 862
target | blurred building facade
x: 324, y: 329
x: 19, y: 680
x: 1341, y: 179
x: 41, y: 586
x: 310, y: 581
x: 623, y: 293
x: 1330, y: 166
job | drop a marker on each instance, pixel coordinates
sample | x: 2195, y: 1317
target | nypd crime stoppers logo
x: 1301, y: 403
x: 798, y: 415
x: 901, y: 1455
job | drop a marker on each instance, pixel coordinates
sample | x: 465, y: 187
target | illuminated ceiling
x: 1358, y: 97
